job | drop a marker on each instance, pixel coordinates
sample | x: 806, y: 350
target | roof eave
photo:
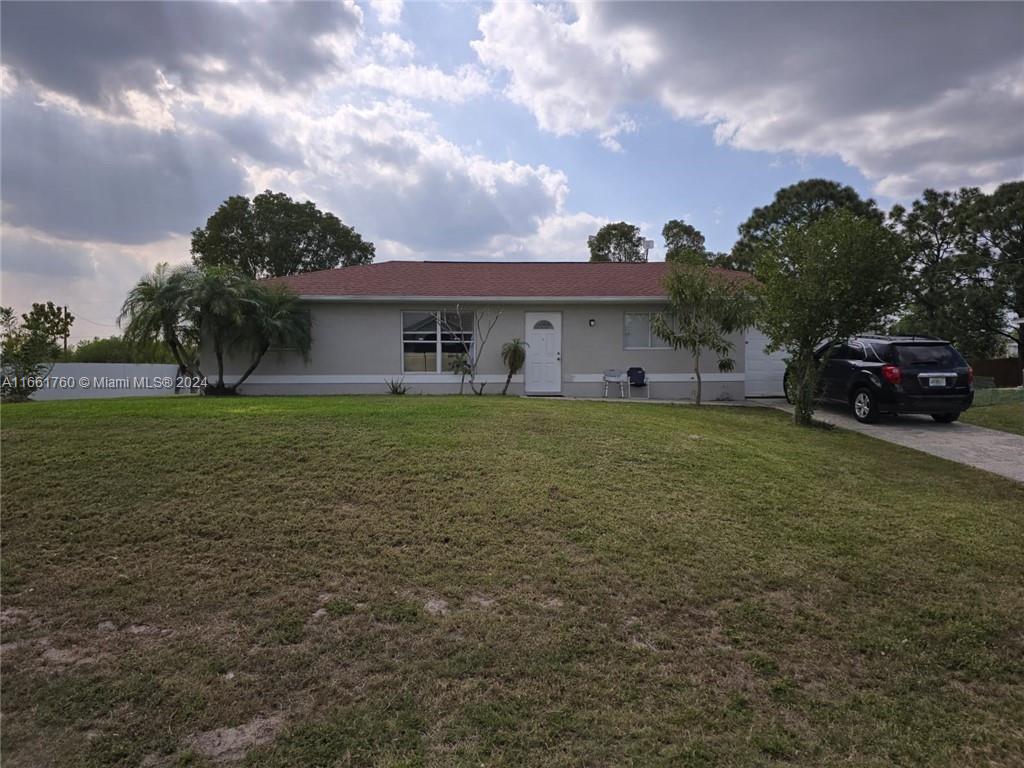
x: 487, y: 299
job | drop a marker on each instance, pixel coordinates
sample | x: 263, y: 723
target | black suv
x: 895, y: 374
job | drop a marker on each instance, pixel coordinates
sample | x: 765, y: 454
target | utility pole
x: 66, y: 330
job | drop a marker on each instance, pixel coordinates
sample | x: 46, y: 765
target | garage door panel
x: 763, y: 372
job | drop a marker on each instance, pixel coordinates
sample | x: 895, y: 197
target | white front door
x: 543, y: 374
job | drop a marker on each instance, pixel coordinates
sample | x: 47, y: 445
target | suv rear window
x: 939, y: 355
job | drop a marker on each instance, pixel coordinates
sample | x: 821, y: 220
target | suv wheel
x: 865, y: 406
x: 945, y: 418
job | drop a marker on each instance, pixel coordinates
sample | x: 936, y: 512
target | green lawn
x: 1008, y: 417
x: 487, y: 581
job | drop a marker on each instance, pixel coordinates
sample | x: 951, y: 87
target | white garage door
x: 763, y: 372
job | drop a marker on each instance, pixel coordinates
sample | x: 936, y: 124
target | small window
x: 841, y: 351
x: 638, y: 332
x: 543, y: 325
x: 879, y: 352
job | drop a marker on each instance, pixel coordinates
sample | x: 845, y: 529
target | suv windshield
x: 939, y: 355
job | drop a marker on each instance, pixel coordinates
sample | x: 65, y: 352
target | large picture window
x: 432, y: 341
x: 638, y: 333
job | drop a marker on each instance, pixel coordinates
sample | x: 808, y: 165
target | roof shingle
x: 485, y: 279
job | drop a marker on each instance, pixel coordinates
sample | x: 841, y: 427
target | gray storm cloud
x: 96, y: 51
x: 912, y: 94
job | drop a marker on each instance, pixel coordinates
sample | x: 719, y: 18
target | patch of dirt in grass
x: 154, y: 760
x: 643, y: 644
x: 436, y: 607
x: 148, y: 630
x: 225, y: 745
x: 69, y: 656
x: 12, y: 617
x: 551, y: 603
x: 483, y: 601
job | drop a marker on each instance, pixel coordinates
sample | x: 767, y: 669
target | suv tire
x: 945, y: 418
x: 865, y: 406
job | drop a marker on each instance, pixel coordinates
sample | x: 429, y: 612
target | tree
x: 951, y: 291
x: 117, y: 349
x: 513, y: 355
x: 25, y: 357
x: 998, y: 221
x: 154, y: 311
x: 215, y: 305
x: 797, y: 205
x: 618, y: 242
x: 226, y: 309
x: 273, y: 235
x: 272, y: 316
x: 683, y: 242
x: 705, y: 306
x: 470, y: 330
x: 822, y: 282
x: 50, y: 322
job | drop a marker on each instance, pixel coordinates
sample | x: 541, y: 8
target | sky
x: 474, y: 131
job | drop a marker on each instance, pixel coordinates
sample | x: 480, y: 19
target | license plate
x: 936, y: 381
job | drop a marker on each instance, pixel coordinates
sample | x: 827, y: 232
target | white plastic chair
x: 615, y: 376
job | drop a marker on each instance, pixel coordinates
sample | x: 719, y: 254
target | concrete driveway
x: 998, y: 452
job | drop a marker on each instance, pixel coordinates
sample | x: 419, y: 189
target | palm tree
x: 154, y: 311
x: 513, y: 354
x: 273, y: 317
x: 460, y: 364
x: 227, y: 309
x: 216, y: 303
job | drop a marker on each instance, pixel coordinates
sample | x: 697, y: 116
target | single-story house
x: 409, y: 320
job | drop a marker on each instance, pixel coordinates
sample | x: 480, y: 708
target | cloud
x: 118, y: 139
x: 97, y: 52
x: 389, y: 12
x: 391, y: 46
x: 568, y: 80
x: 78, y: 178
x: 92, y: 278
x: 559, y: 237
x: 911, y: 94
x: 417, y: 82
x: 31, y: 253
x: 385, y: 168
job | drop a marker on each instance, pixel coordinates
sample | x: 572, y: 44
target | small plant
x: 513, y: 354
x: 461, y: 365
x: 396, y: 386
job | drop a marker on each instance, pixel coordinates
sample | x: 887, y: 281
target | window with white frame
x: 433, y: 340
x: 638, y: 333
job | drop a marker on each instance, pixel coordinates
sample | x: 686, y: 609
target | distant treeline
x: 114, y: 349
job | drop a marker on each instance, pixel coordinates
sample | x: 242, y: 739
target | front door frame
x: 529, y: 318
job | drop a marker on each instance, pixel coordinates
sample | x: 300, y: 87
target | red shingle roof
x: 485, y: 279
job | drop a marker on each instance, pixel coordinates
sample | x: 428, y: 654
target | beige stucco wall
x: 361, y: 342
